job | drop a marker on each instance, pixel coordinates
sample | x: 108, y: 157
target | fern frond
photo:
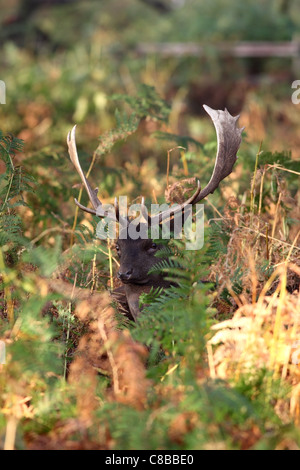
x: 126, y: 125
x: 146, y: 103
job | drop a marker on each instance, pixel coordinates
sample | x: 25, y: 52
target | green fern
x: 126, y: 125
x: 218, y: 237
x: 9, y: 145
x: 181, y: 140
x: 146, y: 103
x: 15, y: 181
x: 11, y: 229
x: 177, y: 314
x: 283, y: 158
x: 13, y: 184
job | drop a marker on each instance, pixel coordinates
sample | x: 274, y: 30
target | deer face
x: 137, y: 257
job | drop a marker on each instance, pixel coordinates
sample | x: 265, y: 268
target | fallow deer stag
x: 138, y: 256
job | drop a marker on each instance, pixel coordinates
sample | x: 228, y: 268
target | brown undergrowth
x: 103, y: 349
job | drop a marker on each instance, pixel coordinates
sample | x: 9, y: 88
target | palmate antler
x: 229, y: 140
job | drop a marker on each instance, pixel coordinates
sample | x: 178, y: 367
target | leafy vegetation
x: 213, y: 362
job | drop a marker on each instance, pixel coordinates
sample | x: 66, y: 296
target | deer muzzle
x: 125, y: 276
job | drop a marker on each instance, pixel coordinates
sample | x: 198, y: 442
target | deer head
x: 138, y: 256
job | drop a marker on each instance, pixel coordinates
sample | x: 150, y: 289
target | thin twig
x: 270, y: 238
x: 214, y: 208
x: 7, y: 291
x: 11, y: 431
x: 55, y: 229
x: 279, y: 167
x: 110, y: 265
x: 252, y: 197
x: 68, y: 327
x: 261, y: 190
x: 275, y: 222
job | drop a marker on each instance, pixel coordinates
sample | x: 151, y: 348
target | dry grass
x: 263, y: 335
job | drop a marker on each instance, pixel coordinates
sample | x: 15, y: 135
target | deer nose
x: 125, y: 276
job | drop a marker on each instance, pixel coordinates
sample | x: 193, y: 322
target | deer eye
x: 152, y: 248
x: 118, y: 249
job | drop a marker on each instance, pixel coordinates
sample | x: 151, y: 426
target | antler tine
x: 145, y: 213
x: 229, y: 140
x: 71, y: 141
x: 92, y: 193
